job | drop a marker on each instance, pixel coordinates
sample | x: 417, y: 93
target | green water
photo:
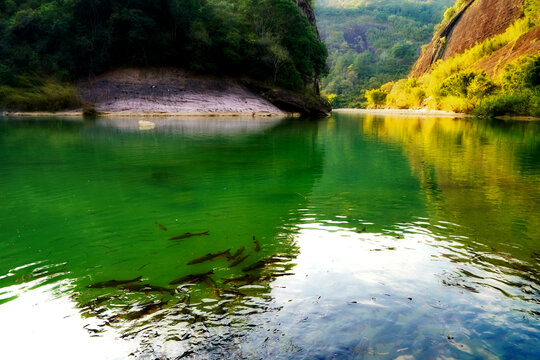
x: 375, y: 238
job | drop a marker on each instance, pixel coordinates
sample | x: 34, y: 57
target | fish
x: 98, y: 301
x: 207, y: 257
x: 238, y: 261
x: 210, y: 282
x: 191, y: 277
x: 145, y: 310
x: 237, y: 253
x: 161, y: 226
x: 256, y: 245
x: 187, y: 235
x: 146, y: 288
x: 113, y: 283
x: 234, y: 292
x: 259, y: 264
x: 278, y: 274
x: 247, y: 278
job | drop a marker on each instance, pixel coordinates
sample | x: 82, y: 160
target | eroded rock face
x: 171, y: 91
x: 527, y: 44
x: 307, y: 10
x: 477, y: 21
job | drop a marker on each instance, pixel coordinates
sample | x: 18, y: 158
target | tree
x: 376, y: 98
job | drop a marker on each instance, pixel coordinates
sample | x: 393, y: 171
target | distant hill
x: 372, y: 42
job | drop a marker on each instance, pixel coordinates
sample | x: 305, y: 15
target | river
x: 351, y: 237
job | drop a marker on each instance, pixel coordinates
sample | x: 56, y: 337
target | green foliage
x: 516, y: 103
x: 515, y: 92
x: 467, y: 84
x: 523, y: 73
x: 35, y: 94
x: 376, y: 98
x: 531, y: 8
x: 371, y: 43
x: 332, y: 100
x: 269, y: 40
x: 482, y: 85
x: 456, y: 104
x: 449, y: 14
x: 457, y: 84
x: 405, y: 93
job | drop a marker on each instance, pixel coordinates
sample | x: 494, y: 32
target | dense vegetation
x: 455, y: 85
x: 45, y: 43
x: 370, y: 43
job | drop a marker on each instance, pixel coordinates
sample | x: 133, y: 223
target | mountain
x: 372, y: 42
x: 484, y: 58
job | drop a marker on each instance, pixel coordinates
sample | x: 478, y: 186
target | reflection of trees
x: 479, y: 175
x: 235, y: 186
x: 363, y: 180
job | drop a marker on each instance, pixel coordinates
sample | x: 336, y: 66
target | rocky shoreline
x: 128, y: 92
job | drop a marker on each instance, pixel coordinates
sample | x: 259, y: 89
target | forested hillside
x: 45, y: 44
x: 370, y: 43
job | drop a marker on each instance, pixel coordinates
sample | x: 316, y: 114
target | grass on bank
x: 38, y: 94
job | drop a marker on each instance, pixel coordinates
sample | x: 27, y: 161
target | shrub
x: 525, y: 103
x: 387, y: 88
x: 456, y: 104
x: 457, y: 84
x: 376, y: 98
x: 468, y: 83
x: 521, y: 73
x: 89, y: 110
x: 481, y: 86
x: 34, y: 94
x: 406, y: 93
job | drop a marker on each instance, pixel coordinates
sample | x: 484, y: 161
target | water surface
x: 366, y: 238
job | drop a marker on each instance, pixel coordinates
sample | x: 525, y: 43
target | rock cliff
x: 476, y: 21
x: 307, y: 10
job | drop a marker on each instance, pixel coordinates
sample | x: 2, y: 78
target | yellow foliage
x: 457, y: 104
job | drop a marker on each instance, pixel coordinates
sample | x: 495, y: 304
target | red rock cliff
x: 476, y: 21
